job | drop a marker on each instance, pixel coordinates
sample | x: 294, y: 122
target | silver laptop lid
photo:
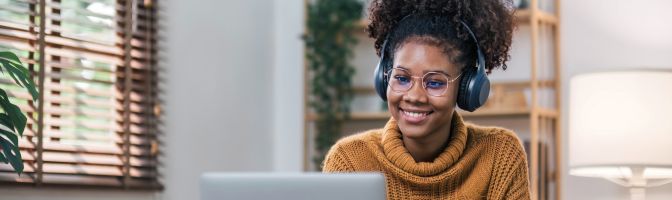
x: 299, y: 186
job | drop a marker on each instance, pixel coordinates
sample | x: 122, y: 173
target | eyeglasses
x: 434, y: 83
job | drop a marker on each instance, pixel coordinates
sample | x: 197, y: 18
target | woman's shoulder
x: 358, y: 140
x: 504, y: 141
x: 350, y: 152
x: 491, y: 132
x: 495, y: 136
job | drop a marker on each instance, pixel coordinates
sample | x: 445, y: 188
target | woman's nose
x: 416, y: 94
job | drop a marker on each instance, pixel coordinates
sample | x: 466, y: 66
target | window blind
x: 94, y: 62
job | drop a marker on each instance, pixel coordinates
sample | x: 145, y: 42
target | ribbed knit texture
x: 477, y: 163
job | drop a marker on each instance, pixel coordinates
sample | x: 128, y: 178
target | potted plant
x: 329, y: 40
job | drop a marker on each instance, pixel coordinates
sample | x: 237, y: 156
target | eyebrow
x: 426, y: 71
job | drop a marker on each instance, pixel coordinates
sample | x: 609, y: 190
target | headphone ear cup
x: 484, y: 90
x: 463, y: 92
x: 380, y: 80
x: 379, y: 77
x: 474, y: 90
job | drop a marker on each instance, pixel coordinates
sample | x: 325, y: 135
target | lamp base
x: 638, y: 183
x: 637, y: 193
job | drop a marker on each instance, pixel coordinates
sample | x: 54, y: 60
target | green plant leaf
x: 12, y: 154
x: 9, y: 68
x: 3, y: 99
x: 10, y: 57
x: 28, y: 82
x: 13, y: 119
x: 24, y: 78
x: 9, y: 134
x: 4, y: 120
x: 16, y: 116
x: 18, y: 72
x: 6, y: 59
x: 3, y: 158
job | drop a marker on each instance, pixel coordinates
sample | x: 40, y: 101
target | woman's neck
x: 426, y: 149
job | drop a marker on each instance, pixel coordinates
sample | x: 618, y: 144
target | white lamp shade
x: 619, y: 120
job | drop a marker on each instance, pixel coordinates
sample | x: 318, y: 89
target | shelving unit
x: 515, y: 100
x: 545, y: 131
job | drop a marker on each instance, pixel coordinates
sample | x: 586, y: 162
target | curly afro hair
x: 437, y: 22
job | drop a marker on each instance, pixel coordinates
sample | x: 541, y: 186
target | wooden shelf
x: 363, y: 23
x: 525, y: 16
x: 496, y: 113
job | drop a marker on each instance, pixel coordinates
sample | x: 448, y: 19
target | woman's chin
x: 413, y: 132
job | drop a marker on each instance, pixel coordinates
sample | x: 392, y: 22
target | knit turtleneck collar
x: 396, y: 152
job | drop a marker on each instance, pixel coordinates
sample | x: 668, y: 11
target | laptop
x: 299, y: 186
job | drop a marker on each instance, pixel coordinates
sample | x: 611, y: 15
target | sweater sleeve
x: 336, y: 161
x: 510, y: 178
x: 519, y: 186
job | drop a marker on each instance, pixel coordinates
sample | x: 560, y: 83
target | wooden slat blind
x: 100, y: 108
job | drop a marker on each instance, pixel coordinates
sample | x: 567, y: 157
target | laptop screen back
x: 299, y: 186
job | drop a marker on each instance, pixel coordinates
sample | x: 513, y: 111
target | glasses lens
x: 436, y: 84
x: 400, y: 80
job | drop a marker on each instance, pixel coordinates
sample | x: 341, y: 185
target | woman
x: 431, y: 52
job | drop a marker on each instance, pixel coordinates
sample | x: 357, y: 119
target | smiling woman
x: 434, y: 57
x: 420, y: 114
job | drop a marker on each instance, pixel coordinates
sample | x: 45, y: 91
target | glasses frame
x: 422, y: 79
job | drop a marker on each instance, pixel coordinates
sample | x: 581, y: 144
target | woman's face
x: 419, y: 114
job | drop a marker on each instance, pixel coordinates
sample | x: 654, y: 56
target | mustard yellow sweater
x: 477, y: 163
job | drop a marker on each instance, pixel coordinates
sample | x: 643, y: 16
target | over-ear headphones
x: 474, y: 87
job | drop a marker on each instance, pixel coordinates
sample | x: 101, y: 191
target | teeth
x: 415, y: 114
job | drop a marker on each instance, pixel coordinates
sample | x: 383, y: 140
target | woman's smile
x: 414, y: 116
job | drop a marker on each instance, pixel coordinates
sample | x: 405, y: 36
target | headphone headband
x: 481, y: 59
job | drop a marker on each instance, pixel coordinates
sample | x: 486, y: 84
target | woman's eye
x: 435, y: 84
x: 402, y: 79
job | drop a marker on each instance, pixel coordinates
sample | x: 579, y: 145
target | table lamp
x: 620, y: 128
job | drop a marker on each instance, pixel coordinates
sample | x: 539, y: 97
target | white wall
x: 288, y: 85
x: 612, y: 35
x: 218, y: 90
